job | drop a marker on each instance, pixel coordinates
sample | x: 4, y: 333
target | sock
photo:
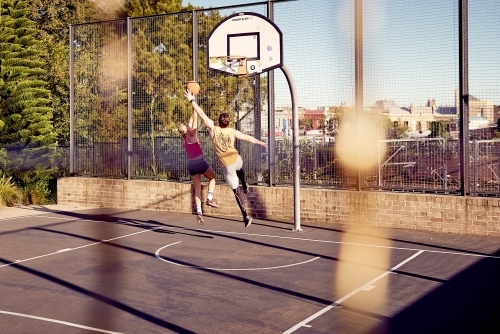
x: 210, y: 195
x: 198, y: 210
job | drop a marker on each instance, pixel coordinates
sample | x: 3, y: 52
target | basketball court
x: 131, y: 271
x: 120, y: 271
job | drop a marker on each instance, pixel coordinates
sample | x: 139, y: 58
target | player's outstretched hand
x: 263, y: 144
x: 189, y: 96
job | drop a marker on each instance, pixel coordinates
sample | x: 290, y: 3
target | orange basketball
x: 193, y: 86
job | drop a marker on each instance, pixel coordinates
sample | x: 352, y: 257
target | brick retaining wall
x: 428, y: 212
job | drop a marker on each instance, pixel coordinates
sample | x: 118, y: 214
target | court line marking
x: 74, y: 248
x: 301, y: 324
x: 280, y: 237
x: 41, y: 216
x: 239, y: 233
x: 59, y: 322
x: 335, y: 242
x: 350, y: 294
x: 157, y: 254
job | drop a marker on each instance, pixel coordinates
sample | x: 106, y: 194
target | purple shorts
x: 198, y: 166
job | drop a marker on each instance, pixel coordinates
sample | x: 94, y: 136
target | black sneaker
x: 245, y: 189
x: 248, y: 221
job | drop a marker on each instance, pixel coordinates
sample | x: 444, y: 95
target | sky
x: 410, y: 50
x: 216, y: 3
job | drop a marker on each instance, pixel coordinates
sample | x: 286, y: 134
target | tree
x: 438, y: 129
x: 496, y: 132
x: 136, y: 8
x: 24, y: 99
x: 335, y: 119
x: 52, y: 19
x: 305, y: 124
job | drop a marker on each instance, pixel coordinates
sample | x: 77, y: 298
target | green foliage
x: 51, y: 19
x: 394, y: 130
x: 136, y: 8
x: 10, y: 194
x: 305, y: 124
x: 36, y: 186
x: 335, y: 119
x: 24, y: 100
x: 438, y: 129
x: 497, y: 129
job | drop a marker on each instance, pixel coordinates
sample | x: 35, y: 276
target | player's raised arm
x: 207, y: 121
x: 192, y: 125
x: 241, y: 136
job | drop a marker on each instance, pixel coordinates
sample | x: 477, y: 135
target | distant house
x: 482, y: 109
x: 415, y: 119
x: 283, y: 119
x: 316, y: 116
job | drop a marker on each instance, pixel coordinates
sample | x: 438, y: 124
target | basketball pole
x: 296, y: 157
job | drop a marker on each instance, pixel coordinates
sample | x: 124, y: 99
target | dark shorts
x: 199, y: 166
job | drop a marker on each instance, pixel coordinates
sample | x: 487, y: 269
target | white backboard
x: 249, y: 35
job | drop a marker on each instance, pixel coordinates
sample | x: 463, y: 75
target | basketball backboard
x: 245, y: 44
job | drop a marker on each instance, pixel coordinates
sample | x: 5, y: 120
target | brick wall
x: 468, y: 215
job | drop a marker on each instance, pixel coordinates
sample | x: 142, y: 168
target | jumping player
x: 197, y: 165
x: 223, y: 138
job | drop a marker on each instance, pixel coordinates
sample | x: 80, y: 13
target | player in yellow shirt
x: 223, y: 138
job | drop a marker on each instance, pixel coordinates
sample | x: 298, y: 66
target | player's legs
x: 232, y: 180
x: 210, y: 175
x: 197, y: 192
x: 241, y: 176
x: 196, y: 168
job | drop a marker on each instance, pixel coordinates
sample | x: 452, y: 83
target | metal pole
x: 475, y: 152
x: 358, y: 13
x: 257, y: 126
x: 195, y: 45
x: 379, y: 165
x: 71, y: 102
x: 129, y: 98
x: 296, y: 157
x: 464, y: 97
x: 271, y: 112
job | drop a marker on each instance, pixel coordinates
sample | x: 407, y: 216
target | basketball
x: 193, y: 87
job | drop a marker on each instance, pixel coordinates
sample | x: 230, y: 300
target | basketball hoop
x: 245, y: 44
x: 232, y: 62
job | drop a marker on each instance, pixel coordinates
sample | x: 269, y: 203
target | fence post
x: 271, y: 152
x: 71, y: 102
x: 195, y: 45
x: 445, y: 169
x: 475, y: 166
x: 129, y: 98
x: 358, y: 19
x: 464, y: 96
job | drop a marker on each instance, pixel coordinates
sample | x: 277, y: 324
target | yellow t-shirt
x: 224, y: 145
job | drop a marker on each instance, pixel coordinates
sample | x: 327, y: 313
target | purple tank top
x: 193, y: 150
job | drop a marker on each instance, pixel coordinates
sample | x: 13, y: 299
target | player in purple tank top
x: 197, y: 166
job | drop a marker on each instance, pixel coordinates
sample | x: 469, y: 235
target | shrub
x: 10, y: 194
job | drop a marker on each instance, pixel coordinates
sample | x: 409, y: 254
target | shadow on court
x: 467, y: 303
x: 128, y: 271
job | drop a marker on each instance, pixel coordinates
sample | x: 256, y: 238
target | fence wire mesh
x: 405, y: 137
x: 484, y: 99
x: 100, y: 98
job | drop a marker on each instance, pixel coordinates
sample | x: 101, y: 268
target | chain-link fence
x: 425, y: 72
